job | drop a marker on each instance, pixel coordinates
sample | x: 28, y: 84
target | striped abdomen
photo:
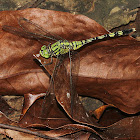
x: 79, y: 44
x: 63, y: 47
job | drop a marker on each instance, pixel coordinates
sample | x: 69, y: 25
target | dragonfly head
x: 44, y: 52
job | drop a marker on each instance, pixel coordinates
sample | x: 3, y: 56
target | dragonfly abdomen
x: 115, y: 34
x: 78, y: 44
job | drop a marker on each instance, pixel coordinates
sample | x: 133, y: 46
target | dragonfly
x: 62, y: 47
x: 59, y: 46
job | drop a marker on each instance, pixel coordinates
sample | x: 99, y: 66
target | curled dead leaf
x: 109, y: 70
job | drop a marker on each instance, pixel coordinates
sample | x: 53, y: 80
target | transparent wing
x: 58, y: 71
x: 50, y: 93
x: 74, y: 63
x: 31, y: 30
x: 35, y: 29
x: 70, y: 78
x: 20, y: 32
x: 61, y: 81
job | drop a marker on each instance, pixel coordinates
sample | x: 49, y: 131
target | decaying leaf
x: 4, y: 119
x: 112, y: 62
x: 4, y: 107
x: 99, y: 111
x: 127, y: 128
x: 109, y: 70
x: 37, y: 117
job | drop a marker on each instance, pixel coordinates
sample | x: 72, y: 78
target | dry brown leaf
x: 99, y: 111
x: 18, y: 135
x: 127, y: 128
x: 109, y: 70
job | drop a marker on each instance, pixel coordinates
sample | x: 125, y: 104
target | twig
x: 15, y: 128
x: 31, y: 4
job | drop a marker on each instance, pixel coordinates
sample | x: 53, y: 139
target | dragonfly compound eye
x: 44, y: 53
x: 43, y: 47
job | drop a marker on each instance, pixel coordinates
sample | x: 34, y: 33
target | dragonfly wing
x: 50, y: 96
x: 29, y: 35
x: 17, y: 31
x: 35, y: 29
x: 31, y: 30
x: 73, y: 73
x: 61, y: 77
x: 49, y: 99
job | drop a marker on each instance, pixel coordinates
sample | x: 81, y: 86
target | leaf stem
x: 15, y: 128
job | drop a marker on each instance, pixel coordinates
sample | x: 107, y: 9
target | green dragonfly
x: 59, y: 46
x: 63, y: 46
